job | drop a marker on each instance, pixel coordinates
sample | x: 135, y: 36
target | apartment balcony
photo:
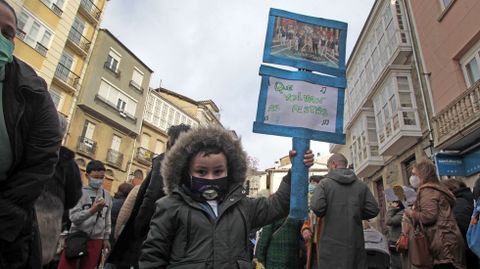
x: 144, y: 156
x: 78, y: 42
x: 114, y: 158
x: 86, y: 146
x: 459, y: 121
x: 400, y: 134
x: 66, y: 78
x: 39, y: 47
x: 90, y: 11
x: 367, y: 166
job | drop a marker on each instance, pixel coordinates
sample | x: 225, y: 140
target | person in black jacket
x: 205, y: 219
x: 463, y: 212
x: 60, y: 194
x: 29, y: 142
x: 126, y: 252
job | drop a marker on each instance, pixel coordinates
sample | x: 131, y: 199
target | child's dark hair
x: 5, y: 4
x: 95, y: 165
x: 174, y: 132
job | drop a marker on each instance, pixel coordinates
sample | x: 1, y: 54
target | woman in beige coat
x: 434, y: 209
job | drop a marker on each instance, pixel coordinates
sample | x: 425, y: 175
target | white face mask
x: 414, y: 181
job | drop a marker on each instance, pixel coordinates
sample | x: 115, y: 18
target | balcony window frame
x: 113, y: 57
x: 135, y: 82
x: 473, y: 53
x: 26, y: 20
x: 398, y: 111
x: 58, y: 98
x: 105, y: 92
x: 52, y: 4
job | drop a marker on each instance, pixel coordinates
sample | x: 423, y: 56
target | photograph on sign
x: 314, y: 44
x: 300, y: 104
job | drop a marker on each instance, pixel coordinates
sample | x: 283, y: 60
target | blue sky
x: 212, y: 49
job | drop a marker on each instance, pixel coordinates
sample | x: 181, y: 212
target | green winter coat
x: 184, y: 234
x: 343, y: 201
x: 279, y: 244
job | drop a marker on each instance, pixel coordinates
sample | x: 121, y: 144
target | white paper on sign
x: 297, y: 103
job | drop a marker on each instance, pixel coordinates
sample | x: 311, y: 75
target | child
x: 205, y: 219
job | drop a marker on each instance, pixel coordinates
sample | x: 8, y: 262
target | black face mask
x: 209, y: 189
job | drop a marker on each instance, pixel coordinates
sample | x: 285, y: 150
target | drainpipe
x: 417, y: 67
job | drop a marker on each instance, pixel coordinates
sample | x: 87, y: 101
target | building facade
x: 55, y: 37
x: 448, y: 32
x: 159, y: 115
x: 386, y: 120
x: 110, y: 108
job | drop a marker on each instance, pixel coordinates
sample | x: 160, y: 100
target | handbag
x: 419, y: 252
x: 402, y: 243
x: 76, y: 242
x: 473, y: 233
x: 76, y: 245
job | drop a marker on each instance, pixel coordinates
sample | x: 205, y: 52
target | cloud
x: 212, y: 49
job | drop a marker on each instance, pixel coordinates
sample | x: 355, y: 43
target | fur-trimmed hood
x: 176, y: 164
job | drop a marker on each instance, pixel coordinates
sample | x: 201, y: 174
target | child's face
x: 210, y: 167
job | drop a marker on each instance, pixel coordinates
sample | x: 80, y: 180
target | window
x: 88, y: 130
x: 145, y: 141
x: 159, y: 147
x: 163, y: 115
x: 76, y: 32
x: 34, y: 32
x: 117, y: 99
x: 55, y: 5
x: 445, y: 3
x: 64, y: 66
x: 471, y: 65
x: 57, y: 98
x: 137, y: 78
x: 116, y: 142
x: 113, y: 60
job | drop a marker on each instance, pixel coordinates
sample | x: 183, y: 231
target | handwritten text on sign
x: 301, y: 104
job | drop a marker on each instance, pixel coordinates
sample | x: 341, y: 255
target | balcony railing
x: 64, y: 74
x: 114, y: 157
x: 459, y: 114
x: 41, y: 49
x: 56, y: 9
x: 78, y: 39
x: 86, y: 146
x: 91, y: 9
x: 144, y: 155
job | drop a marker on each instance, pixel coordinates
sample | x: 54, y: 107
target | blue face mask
x: 209, y: 189
x: 311, y: 187
x: 95, y: 183
x: 6, y: 51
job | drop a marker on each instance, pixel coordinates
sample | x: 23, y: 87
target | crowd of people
x: 192, y: 209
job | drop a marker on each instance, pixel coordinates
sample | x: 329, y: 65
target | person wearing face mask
x: 92, y: 215
x: 434, y: 209
x: 206, y: 218
x: 342, y: 201
x: 29, y: 144
x: 311, y: 228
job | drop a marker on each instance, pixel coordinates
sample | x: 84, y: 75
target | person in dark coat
x: 463, y: 211
x: 29, y: 142
x: 343, y: 201
x: 60, y: 194
x: 206, y: 217
x: 126, y: 252
x: 394, y: 222
x: 118, y: 200
x: 278, y: 245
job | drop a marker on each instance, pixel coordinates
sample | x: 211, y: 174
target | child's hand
x: 308, y: 158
